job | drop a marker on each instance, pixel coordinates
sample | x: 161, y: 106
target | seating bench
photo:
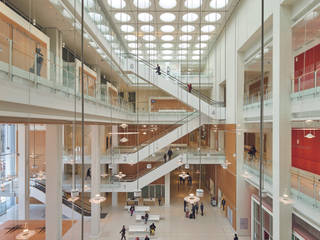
x: 139, y: 208
x: 138, y: 229
x: 155, y: 218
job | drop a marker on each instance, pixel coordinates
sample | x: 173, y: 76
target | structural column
x: 53, y: 182
x: 95, y: 180
x: 115, y: 168
x: 281, y: 162
x: 167, y: 189
x: 23, y: 171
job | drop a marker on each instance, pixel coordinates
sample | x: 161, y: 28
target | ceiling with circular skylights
x: 168, y: 29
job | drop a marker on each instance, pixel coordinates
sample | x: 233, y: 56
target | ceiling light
x: 100, y: 51
x: 200, y: 45
x: 122, y: 17
x: 167, y: 57
x: 195, y: 57
x: 97, y: 17
x: 167, y: 45
x: 167, y: 28
x: 149, y: 38
x: 152, y: 52
x: 124, y: 125
x: 166, y: 52
x: 103, y: 28
x: 150, y: 45
x: 184, y: 45
x: 108, y: 37
x: 187, y: 28
x: 136, y: 52
x: 185, y: 38
x: 197, y: 52
x: 192, y: 4
x: 218, y: 3
x: 182, y: 51
x: 147, y: 28
x: 167, y: 4
x: 167, y: 38
x: 130, y: 37
x: 213, y: 17
x: 208, y: 28
x: 133, y: 45
x: 97, y: 199
x: 181, y: 57
x: 116, y: 3
x: 86, y: 35
x: 143, y: 4
x: 190, y: 17
x: 309, y: 135
x: 144, y: 133
x: 145, y: 17
x: 93, y: 44
x: 66, y: 14
x: 153, y: 57
x: 89, y: 3
x: 204, y: 37
x: 167, y: 17
x: 124, y: 140
x: 127, y: 28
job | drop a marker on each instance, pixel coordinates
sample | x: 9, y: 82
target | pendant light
x: 97, y: 199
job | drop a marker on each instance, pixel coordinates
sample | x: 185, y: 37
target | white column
x: 23, y: 171
x: 167, y: 190
x: 98, y: 82
x: 281, y: 164
x: 243, y: 195
x: 53, y: 182
x: 115, y: 168
x: 95, y: 180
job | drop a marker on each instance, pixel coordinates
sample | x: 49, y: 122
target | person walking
x: 158, y: 70
x: 193, y: 210
x: 159, y: 201
x: 146, y: 238
x: 189, y: 87
x: 201, y: 208
x: 131, y: 210
x: 88, y: 173
x: 146, y: 217
x: 165, y: 157
x: 184, y: 205
x: 123, y: 233
x: 170, y: 153
x: 197, y: 208
x: 235, y: 237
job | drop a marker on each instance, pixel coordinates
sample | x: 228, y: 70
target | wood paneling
x: 168, y: 104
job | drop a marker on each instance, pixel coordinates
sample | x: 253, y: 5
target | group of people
x: 124, y: 230
x: 194, y: 210
x: 167, y: 156
x: 182, y: 180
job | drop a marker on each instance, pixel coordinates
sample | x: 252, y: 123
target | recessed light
x: 184, y: 45
x: 108, y: 37
x: 192, y: 4
x: 208, y: 28
x: 153, y: 57
x: 200, y: 45
x: 167, y: 45
x: 147, y: 28
x: 135, y: 51
x: 181, y: 57
x: 145, y: 17
x: 143, y: 4
x: 187, y: 28
x: 182, y: 51
x: 167, y: 38
x: 167, y: 17
x: 150, y: 45
x: 130, y: 37
x: 96, y: 17
x: 149, y: 38
x: 116, y: 3
x: 218, y: 3
x: 185, y: 38
x: 204, y: 37
x: 167, y: 28
x: 190, y: 17
x: 197, y: 52
x: 89, y: 3
x: 195, y: 57
x: 122, y: 17
x: 212, y: 17
x: 103, y: 28
x: 167, y: 4
x: 133, y: 45
x: 127, y: 28
x: 152, y: 52
x: 167, y: 57
x: 166, y: 52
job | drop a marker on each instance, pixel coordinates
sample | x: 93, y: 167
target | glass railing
x: 255, y: 98
x: 306, y: 84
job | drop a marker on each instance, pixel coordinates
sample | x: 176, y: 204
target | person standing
x: 193, y: 210
x: 170, y: 153
x: 88, y: 173
x: 158, y: 70
x: 146, y: 238
x: 197, y: 208
x: 223, y: 203
x: 184, y: 205
x: 131, y: 210
x: 159, y: 201
x: 201, y: 208
x: 123, y: 233
x: 165, y: 157
x: 152, y: 229
x: 235, y: 237
x: 146, y: 217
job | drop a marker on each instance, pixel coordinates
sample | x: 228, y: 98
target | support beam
x: 167, y: 190
x: 23, y: 171
x: 53, y: 182
x: 282, y: 67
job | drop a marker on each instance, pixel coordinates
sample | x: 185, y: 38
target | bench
x: 155, y: 218
x: 149, y: 201
x: 139, y: 208
x: 141, y: 238
x: 138, y: 229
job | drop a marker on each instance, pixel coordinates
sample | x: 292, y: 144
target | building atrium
x: 160, y: 119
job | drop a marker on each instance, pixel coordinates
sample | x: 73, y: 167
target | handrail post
x: 299, y: 84
x: 10, y: 59
x: 315, y: 82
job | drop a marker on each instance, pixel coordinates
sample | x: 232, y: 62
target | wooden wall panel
x: 168, y: 104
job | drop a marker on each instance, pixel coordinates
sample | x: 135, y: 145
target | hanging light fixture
x: 192, y: 199
x: 97, y: 199
x: 120, y: 175
x: 123, y: 125
x: 309, y: 135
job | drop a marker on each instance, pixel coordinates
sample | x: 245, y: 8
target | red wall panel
x: 306, y: 152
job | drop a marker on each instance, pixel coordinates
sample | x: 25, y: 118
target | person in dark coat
x: 170, y: 153
x: 197, y: 208
x: 193, y: 210
x: 184, y: 205
x: 152, y: 228
x: 158, y: 70
x: 235, y: 237
x: 201, y: 208
x: 159, y: 201
x: 88, y: 173
x: 131, y: 210
x: 146, y: 217
x: 146, y: 238
x: 123, y: 233
x: 165, y: 157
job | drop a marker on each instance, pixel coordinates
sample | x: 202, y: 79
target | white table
x: 139, y: 208
x: 138, y: 229
x: 155, y: 218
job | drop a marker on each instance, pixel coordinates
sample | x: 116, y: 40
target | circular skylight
x: 182, y: 51
x: 197, y: 52
x: 167, y: 38
x: 204, y: 37
x: 108, y: 37
x: 212, y: 17
x: 147, y: 28
x: 218, y: 3
x: 167, y: 57
x: 208, y: 28
x: 153, y: 57
x: 190, y: 17
x: 122, y: 17
x: 167, y: 4
x: 150, y: 45
x: 116, y: 3
x: 184, y: 45
x: 143, y: 4
x: 130, y: 37
x: 135, y: 51
x: 133, y: 45
x: 103, y: 28
x: 166, y: 52
x: 195, y: 57
x: 167, y: 17
x: 187, y: 28
x: 167, y: 45
x: 145, y: 17
x: 167, y: 28
x: 127, y: 28
x: 192, y: 4
x: 200, y: 45
x: 152, y: 52
x: 185, y: 38
x: 181, y: 57
x: 97, y: 17
x: 149, y: 38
